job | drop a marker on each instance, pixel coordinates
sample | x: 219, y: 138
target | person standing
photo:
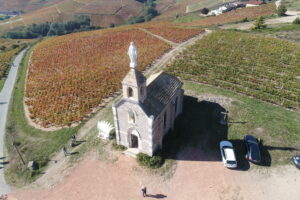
x: 65, y: 150
x: 73, y: 144
x: 144, y: 191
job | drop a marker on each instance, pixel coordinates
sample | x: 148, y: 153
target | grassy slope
x: 32, y: 143
x: 292, y: 4
x: 277, y: 127
x: 287, y: 32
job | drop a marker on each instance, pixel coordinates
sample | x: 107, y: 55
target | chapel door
x: 134, y: 141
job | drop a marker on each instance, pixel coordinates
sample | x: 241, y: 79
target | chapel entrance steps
x: 132, y: 152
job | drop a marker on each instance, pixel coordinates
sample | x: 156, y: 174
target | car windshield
x: 231, y: 162
x: 254, y: 151
x: 297, y: 159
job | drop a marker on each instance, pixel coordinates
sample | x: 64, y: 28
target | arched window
x: 130, y: 92
x: 131, y: 117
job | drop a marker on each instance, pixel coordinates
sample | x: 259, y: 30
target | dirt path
x: 289, y: 18
x: 197, y: 177
x: 159, y: 37
x: 280, y: 20
x: 170, y: 56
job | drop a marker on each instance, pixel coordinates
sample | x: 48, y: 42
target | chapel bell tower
x: 134, y: 83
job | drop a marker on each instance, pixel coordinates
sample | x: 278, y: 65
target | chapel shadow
x: 197, y: 132
x: 240, y: 154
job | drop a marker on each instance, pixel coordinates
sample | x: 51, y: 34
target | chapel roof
x: 159, y: 93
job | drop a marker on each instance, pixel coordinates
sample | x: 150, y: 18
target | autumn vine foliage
x: 69, y: 75
x: 170, y: 31
x: 262, y: 67
x: 5, y: 60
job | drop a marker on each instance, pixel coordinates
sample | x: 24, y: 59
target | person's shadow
x: 156, y: 196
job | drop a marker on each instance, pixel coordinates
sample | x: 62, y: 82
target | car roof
x: 229, y: 153
x: 250, y: 137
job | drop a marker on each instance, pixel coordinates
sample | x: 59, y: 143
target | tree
x: 2, y: 48
x: 296, y: 21
x: 281, y: 10
x: 83, y: 19
x: 259, y: 23
x: 204, y: 11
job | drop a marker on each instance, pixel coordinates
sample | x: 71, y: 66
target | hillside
x: 105, y: 13
x: 25, y: 5
x: 101, y: 12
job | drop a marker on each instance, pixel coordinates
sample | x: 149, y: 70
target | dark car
x: 296, y: 161
x: 253, y: 153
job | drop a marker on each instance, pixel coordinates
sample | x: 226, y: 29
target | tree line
x: 147, y: 14
x: 80, y: 23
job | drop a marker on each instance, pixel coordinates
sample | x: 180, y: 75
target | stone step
x: 132, y: 152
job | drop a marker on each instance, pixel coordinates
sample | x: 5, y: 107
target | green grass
x: 33, y: 144
x: 292, y: 4
x: 91, y: 143
x: 276, y: 126
x: 262, y: 67
x: 287, y: 32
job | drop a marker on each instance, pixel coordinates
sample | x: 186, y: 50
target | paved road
x: 5, y: 96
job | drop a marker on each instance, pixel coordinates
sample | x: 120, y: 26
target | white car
x: 228, y: 156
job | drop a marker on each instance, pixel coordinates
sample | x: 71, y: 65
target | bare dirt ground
x: 291, y: 16
x: 197, y: 176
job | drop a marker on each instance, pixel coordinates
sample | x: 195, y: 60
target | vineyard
x: 262, y: 67
x: 237, y: 15
x: 171, y: 32
x: 69, y: 76
x: 5, y: 61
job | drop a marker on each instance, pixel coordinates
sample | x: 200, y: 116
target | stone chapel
x: 148, y: 108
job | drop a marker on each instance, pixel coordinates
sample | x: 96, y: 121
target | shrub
x: 281, y: 10
x: 204, y: 11
x: 112, y: 135
x: 296, y: 21
x: 259, y: 23
x: 2, y: 47
x: 150, y: 162
x: 118, y: 147
x: 245, y: 20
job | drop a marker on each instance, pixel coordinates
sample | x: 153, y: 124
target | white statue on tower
x: 132, y: 52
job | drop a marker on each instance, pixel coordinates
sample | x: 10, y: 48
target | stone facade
x: 147, y: 110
